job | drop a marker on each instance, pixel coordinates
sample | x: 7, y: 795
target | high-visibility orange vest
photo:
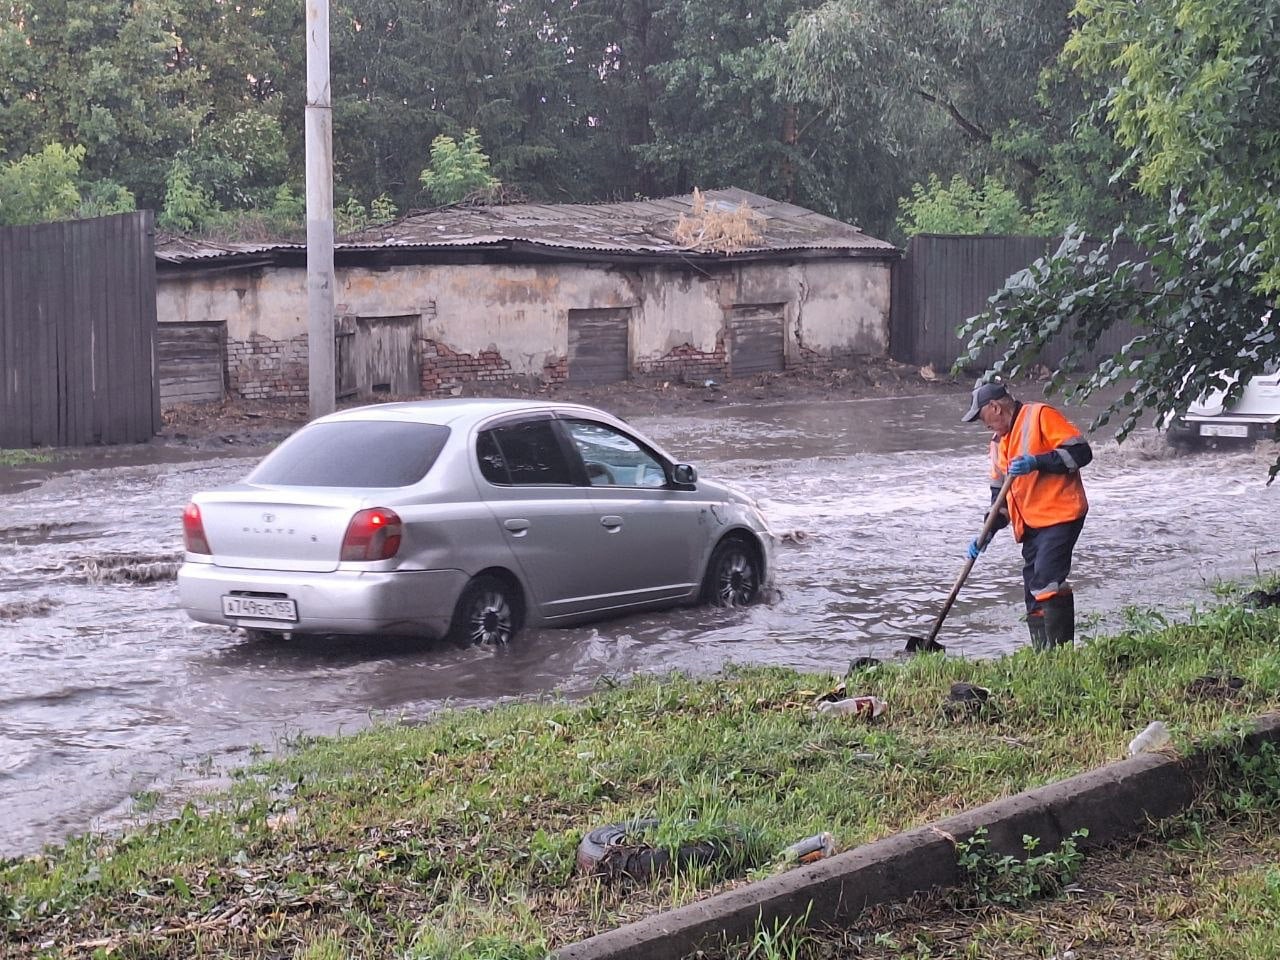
x: 1038, y: 499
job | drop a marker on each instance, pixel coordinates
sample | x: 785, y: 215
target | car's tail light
x: 372, y: 535
x: 193, y: 531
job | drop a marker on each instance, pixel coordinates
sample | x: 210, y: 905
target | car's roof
x: 456, y: 412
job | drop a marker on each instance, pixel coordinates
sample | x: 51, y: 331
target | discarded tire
x: 1213, y: 687
x: 968, y: 701
x: 619, y: 851
x: 1261, y: 598
x: 963, y: 692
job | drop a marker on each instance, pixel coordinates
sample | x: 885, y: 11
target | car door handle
x: 517, y: 527
x: 612, y: 524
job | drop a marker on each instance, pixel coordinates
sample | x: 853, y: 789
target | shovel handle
x: 992, y: 516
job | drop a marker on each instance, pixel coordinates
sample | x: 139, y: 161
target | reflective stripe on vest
x: 1038, y: 499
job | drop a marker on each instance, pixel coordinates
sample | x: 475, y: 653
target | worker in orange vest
x: 1043, y: 451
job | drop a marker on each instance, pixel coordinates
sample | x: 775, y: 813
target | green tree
x: 1197, y: 102
x: 713, y: 114
x: 523, y: 74
x: 961, y: 208
x: 351, y: 215
x: 99, y: 198
x: 136, y: 82
x: 241, y: 160
x: 968, y: 87
x: 457, y: 169
x: 188, y: 207
x: 41, y: 186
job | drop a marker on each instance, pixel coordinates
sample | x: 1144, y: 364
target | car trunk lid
x: 264, y: 529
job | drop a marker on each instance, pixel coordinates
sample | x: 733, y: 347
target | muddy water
x: 109, y: 694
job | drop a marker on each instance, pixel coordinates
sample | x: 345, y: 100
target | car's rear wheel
x: 487, y: 612
x: 734, y: 574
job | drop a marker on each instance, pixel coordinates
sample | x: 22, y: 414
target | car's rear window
x: 354, y: 453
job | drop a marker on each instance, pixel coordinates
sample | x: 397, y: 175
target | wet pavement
x: 110, y: 695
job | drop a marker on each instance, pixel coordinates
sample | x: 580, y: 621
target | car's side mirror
x: 684, y: 475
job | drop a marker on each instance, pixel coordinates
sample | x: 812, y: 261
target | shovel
x: 930, y: 644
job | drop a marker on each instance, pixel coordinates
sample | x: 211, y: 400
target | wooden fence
x: 944, y: 280
x: 77, y: 332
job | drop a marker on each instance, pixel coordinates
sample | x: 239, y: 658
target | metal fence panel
x: 943, y: 280
x: 77, y: 332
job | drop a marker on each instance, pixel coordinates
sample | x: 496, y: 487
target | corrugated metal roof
x: 174, y: 248
x: 639, y: 227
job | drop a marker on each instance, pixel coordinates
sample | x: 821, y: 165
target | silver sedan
x: 467, y: 519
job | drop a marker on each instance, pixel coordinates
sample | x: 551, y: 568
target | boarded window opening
x: 599, y: 345
x: 377, y: 356
x: 191, y: 361
x: 756, y: 339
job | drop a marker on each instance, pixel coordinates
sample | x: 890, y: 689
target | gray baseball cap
x: 983, y: 394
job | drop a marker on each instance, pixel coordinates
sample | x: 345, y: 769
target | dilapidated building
x: 584, y: 293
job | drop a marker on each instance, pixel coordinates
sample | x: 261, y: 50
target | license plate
x: 259, y: 608
x: 1224, y: 430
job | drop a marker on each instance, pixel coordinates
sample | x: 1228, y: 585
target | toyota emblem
x: 268, y: 518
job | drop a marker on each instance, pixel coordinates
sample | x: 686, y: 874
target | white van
x: 1255, y: 415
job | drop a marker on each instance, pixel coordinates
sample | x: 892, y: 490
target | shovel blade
x: 924, y: 645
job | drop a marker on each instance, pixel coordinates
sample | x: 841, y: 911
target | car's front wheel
x: 487, y: 612
x: 734, y: 574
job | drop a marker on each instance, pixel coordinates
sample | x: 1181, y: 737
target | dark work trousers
x: 1046, y: 554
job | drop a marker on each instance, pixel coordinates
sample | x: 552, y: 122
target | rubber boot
x: 1060, y: 619
x: 1036, y: 627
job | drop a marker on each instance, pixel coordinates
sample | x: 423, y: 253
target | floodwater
x: 111, y: 696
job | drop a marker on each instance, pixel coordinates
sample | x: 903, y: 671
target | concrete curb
x: 1113, y: 801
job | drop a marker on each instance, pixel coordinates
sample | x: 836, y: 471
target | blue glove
x: 1021, y: 466
x: 973, y: 549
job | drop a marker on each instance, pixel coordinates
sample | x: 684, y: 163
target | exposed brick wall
x: 444, y: 369
x: 811, y: 361
x: 556, y: 371
x: 260, y: 368
x: 687, y: 362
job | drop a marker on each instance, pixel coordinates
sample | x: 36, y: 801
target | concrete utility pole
x: 319, y: 148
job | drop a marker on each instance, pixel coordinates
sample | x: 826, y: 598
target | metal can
x: 811, y: 849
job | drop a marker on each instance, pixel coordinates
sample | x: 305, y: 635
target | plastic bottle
x: 1155, y: 736
x: 869, y: 707
x: 810, y: 849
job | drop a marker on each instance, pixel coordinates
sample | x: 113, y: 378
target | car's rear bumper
x: 1237, y: 426
x: 415, y: 603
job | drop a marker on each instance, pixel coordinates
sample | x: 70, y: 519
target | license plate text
x: 259, y: 608
x: 1223, y: 430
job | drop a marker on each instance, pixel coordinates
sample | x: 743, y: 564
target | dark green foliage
x: 1198, y: 109
x: 839, y: 105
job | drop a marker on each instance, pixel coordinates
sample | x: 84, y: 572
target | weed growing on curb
x: 1011, y: 881
x: 780, y: 940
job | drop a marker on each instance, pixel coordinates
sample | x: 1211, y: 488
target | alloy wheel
x: 737, y: 581
x: 489, y: 618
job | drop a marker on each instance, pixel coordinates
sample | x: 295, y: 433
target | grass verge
x: 1202, y: 885
x: 19, y: 458
x: 455, y: 840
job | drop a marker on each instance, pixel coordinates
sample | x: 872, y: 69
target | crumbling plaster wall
x: 519, y: 313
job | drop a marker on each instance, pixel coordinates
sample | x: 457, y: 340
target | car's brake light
x: 193, y: 531
x: 372, y: 535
